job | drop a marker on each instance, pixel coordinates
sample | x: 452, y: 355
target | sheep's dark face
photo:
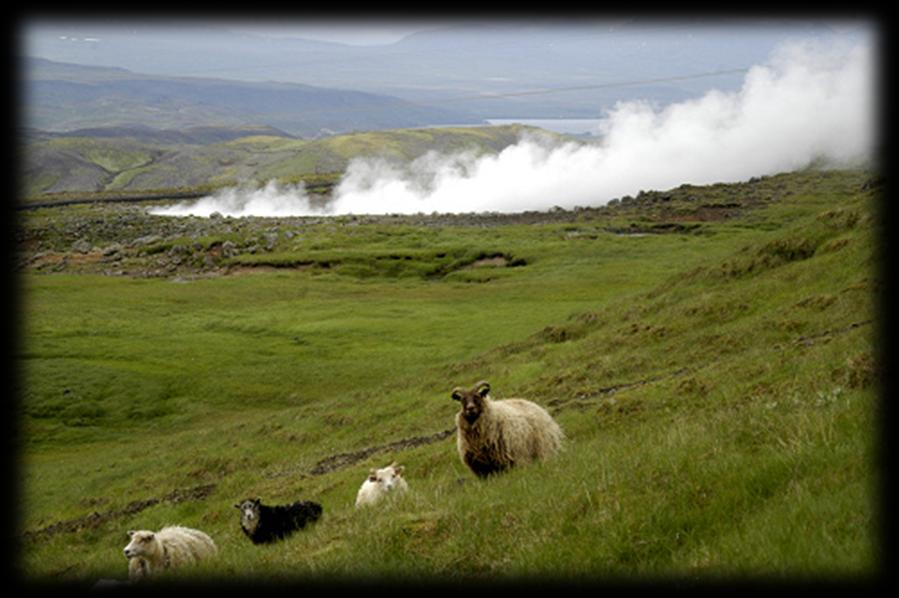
x: 249, y: 513
x: 472, y: 400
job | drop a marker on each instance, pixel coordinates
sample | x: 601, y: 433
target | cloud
x: 809, y: 102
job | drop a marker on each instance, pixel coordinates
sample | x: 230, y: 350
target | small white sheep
x: 493, y: 436
x: 380, y: 483
x: 149, y: 552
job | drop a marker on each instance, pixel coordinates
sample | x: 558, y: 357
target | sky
x: 346, y: 32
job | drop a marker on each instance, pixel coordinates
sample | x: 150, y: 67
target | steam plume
x: 809, y: 102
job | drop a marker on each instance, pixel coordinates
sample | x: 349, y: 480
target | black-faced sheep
x: 149, y: 553
x: 380, y: 483
x: 263, y: 523
x: 493, y: 436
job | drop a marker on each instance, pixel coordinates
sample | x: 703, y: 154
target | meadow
x: 717, y: 382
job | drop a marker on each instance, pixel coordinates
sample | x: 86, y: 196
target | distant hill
x: 479, y: 65
x: 189, y: 135
x: 142, y: 159
x: 65, y: 97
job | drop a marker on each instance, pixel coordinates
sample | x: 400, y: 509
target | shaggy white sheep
x: 380, y: 483
x: 493, y: 436
x: 148, y: 552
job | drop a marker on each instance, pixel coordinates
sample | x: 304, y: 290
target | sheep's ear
x: 237, y: 506
x: 394, y: 464
x: 130, y: 532
x: 398, y: 470
x: 457, y: 394
x: 483, y: 387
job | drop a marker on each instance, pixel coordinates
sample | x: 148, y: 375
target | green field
x: 717, y: 384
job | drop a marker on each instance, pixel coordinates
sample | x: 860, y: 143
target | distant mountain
x: 65, y: 97
x: 189, y: 135
x: 491, y: 68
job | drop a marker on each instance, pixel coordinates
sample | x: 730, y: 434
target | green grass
x: 718, y: 392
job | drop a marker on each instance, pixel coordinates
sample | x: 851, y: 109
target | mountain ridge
x: 64, y: 97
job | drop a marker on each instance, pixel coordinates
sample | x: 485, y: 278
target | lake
x: 565, y: 126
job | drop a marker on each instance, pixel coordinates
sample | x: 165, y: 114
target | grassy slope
x: 125, y: 164
x: 717, y: 392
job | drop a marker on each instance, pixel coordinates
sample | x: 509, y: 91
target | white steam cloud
x: 808, y: 103
x: 273, y: 199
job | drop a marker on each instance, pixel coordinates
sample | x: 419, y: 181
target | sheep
x: 149, y: 552
x: 138, y: 568
x: 380, y: 483
x: 493, y: 436
x: 263, y: 523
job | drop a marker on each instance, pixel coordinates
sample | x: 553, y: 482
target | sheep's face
x: 472, y: 400
x: 249, y: 513
x: 387, y: 478
x: 141, y: 544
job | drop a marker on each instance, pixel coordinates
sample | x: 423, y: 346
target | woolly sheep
x: 380, y: 483
x: 149, y: 552
x: 493, y: 436
x: 263, y: 523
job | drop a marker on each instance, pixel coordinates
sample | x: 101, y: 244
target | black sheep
x: 262, y: 523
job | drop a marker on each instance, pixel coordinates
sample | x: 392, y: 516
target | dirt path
x: 341, y: 460
x: 97, y: 518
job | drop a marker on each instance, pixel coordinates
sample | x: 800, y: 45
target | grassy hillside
x: 128, y: 164
x: 717, y: 384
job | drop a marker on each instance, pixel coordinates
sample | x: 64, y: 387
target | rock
x: 37, y: 256
x: 229, y: 249
x: 146, y: 240
x: 81, y: 246
x: 112, y: 249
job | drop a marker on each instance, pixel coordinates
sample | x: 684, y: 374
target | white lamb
x: 149, y: 553
x: 380, y: 483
